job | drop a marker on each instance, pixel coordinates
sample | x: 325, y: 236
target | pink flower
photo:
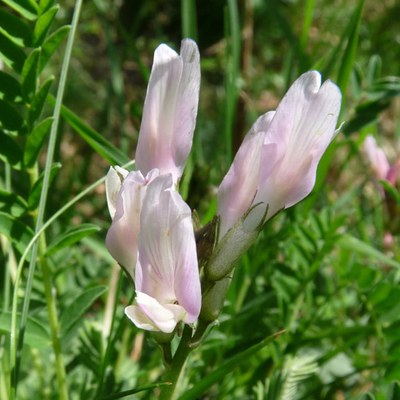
x: 170, y: 110
x: 379, y: 162
x: 276, y: 164
x: 151, y: 234
x: 167, y: 275
x: 376, y: 157
x: 125, y: 192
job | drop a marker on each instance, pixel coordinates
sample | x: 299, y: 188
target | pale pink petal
x: 376, y: 157
x: 167, y: 268
x: 114, y: 179
x: 302, y: 128
x: 149, y: 314
x: 281, y: 171
x: 121, y: 239
x: 239, y: 186
x: 170, y: 110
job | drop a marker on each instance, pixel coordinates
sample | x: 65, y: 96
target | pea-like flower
x: 276, y: 165
x: 167, y: 275
x: 151, y: 235
x: 170, y: 110
x: 378, y: 161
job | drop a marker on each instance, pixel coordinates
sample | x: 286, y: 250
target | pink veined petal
x: 121, y: 239
x: 239, y: 186
x: 376, y: 157
x: 170, y: 110
x: 302, y: 128
x: 167, y: 268
x: 183, y: 244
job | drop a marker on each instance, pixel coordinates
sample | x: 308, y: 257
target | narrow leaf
x: 37, y: 335
x: 79, y: 306
x: 10, y: 119
x: 10, y: 88
x: 126, y: 393
x: 43, y: 24
x: 44, y: 5
x: 355, y: 245
x: 13, y: 204
x: 38, y: 101
x: 27, y: 8
x: 15, y: 29
x: 70, y: 237
x: 229, y: 365
x: 17, y: 232
x: 35, y: 141
x: 93, y: 138
x: 34, y: 196
x: 10, y: 152
x: 51, y: 44
x: 12, y: 55
x: 29, y: 75
x: 351, y: 49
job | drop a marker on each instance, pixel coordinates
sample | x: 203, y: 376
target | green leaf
x: 51, y: 44
x: 350, y: 52
x: 34, y: 196
x: 126, y: 393
x: 70, y: 237
x: 15, y: 29
x: 228, y: 366
x: 10, y: 88
x: 17, y: 232
x: 10, y: 152
x: 93, y: 138
x: 36, y: 335
x: 43, y: 24
x: 12, y: 55
x: 35, y: 141
x: 355, y: 245
x: 79, y: 306
x: 29, y: 75
x: 38, y: 101
x: 27, y: 8
x: 44, y: 5
x: 13, y: 204
x: 10, y: 119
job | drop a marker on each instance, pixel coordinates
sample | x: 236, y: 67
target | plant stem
x: 175, y: 368
x: 54, y: 324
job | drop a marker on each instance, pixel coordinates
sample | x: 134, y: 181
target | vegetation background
x: 321, y: 275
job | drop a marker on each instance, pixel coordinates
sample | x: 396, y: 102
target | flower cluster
x: 386, y: 176
x: 152, y: 234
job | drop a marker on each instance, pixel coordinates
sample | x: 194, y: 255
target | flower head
x: 152, y: 234
x: 167, y: 275
x: 276, y: 165
x: 125, y: 192
x: 170, y: 110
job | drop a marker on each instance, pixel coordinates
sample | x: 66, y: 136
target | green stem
x: 175, y: 368
x: 18, y: 340
x: 54, y: 324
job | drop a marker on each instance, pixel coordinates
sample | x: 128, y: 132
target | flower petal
x: 167, y: 268
x: 149, y: 314
x: 121, y: 239
x: 239, y: 186
x: 114, y: 179
x: 376, y: 157
x: 170, y: 110
x: 302, y: 128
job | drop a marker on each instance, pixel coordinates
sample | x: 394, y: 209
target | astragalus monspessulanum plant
x: 180, y: 275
